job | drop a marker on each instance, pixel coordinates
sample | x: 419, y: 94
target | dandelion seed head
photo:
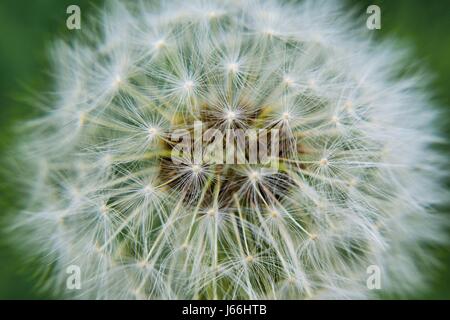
x: 350, y: 184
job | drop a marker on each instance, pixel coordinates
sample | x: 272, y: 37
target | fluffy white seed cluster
x: 356, y: 178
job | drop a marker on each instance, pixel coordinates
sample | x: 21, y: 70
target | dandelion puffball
x: 353, y: 188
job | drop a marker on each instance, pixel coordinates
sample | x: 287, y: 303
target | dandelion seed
x: 152, y: 131
x: 274, y: 214
x: 211, y: 212
x: 82, y: 119
x: 148, y: 190
x: 117, y: 81
x: 231, y: 115
x: 233, y: 67
x: 159, y: 44
x: 188, y: 85
x: 286, y: 116
x: 196, y: 169
x: 104, y: 209
x: 288, y: 81
x: 254, y: 176
x: 323, y: 162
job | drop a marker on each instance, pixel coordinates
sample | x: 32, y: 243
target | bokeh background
x: 27, y: 29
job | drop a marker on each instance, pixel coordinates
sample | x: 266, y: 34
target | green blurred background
x: 27, y: 29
